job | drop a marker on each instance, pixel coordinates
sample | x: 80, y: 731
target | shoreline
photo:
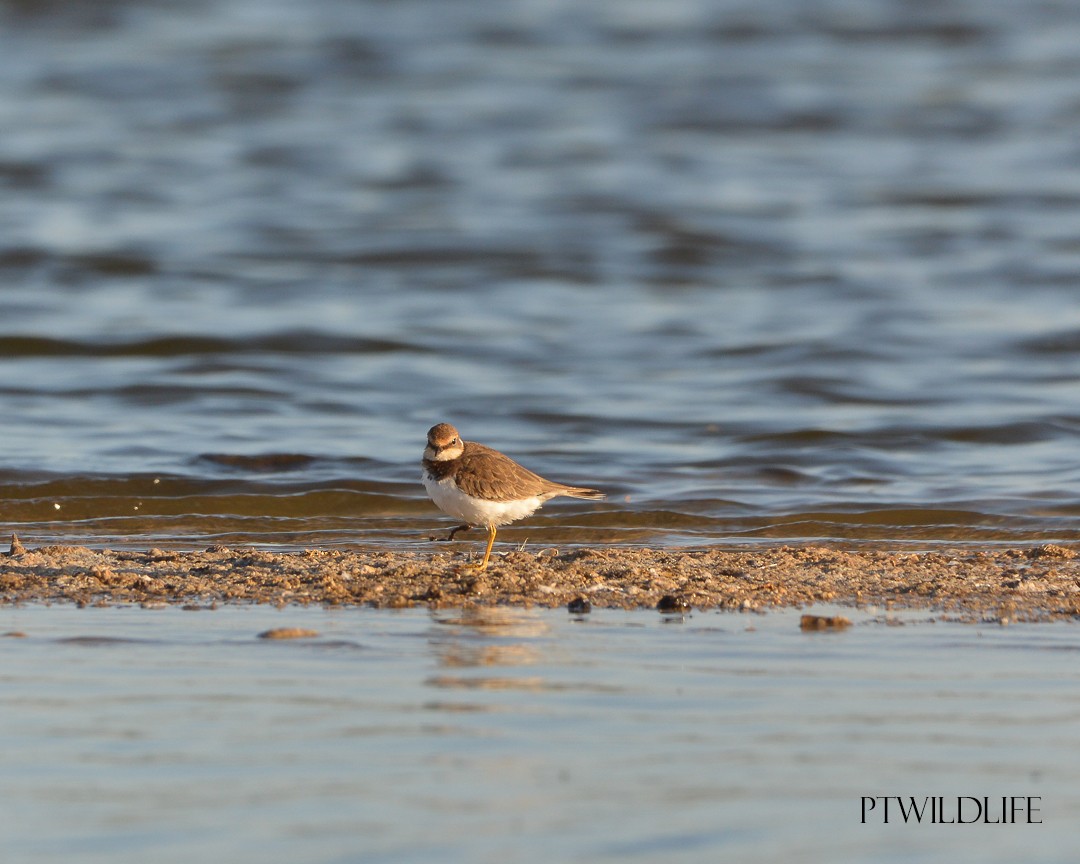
x: 1039, y: 583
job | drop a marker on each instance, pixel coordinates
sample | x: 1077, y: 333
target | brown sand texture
x: 1027, y: 584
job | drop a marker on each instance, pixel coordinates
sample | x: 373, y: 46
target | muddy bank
x: 1014, y: 584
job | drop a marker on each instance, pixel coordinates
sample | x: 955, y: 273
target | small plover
x: 481, y: 486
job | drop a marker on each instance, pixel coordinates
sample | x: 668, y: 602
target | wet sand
x: 1038, y: 583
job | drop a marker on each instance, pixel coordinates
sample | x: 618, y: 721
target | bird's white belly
x: 475, y: 511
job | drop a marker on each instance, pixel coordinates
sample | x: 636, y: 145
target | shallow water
x: 761, y: 271
x: 509, y: 735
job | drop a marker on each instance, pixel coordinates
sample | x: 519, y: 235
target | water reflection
x: 616, y: 739
x: 483, y: 638
x: 491, y: 622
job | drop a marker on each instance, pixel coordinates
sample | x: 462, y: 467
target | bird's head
x: 443, y: 443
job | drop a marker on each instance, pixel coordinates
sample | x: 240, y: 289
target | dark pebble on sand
x: 673, y: 604
x: 288, y: 633
x: 821, y: 622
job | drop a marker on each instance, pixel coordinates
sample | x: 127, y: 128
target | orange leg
x: 487, y: 552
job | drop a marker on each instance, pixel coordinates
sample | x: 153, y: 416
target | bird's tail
x: 579, y: 492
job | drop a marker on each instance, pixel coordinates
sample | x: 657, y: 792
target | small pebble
x: 821, y: 622
x: 288, y: 633
x: 579, y: 606
x: 671, y: 603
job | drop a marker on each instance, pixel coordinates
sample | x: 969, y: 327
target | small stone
x: 822, y: 622
x: 672, y: 604
x: 1050, y: 550
x: 288, y: 633
x: 579, y: 606
x: 16, y: 546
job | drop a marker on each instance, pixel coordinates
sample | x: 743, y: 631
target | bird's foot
x: 450, y: 536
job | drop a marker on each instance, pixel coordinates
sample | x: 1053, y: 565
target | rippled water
x: 761, y: 271
x: 515, y: 736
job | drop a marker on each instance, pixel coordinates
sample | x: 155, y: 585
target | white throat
x: 433, y: 455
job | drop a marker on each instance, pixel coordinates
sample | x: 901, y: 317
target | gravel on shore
x: 1036, y: 583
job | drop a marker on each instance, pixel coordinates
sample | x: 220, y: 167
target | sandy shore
x: 1039, y: 583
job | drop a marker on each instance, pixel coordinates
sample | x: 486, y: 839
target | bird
x: 483, y: 487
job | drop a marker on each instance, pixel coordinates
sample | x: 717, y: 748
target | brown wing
x: 488, y: 474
